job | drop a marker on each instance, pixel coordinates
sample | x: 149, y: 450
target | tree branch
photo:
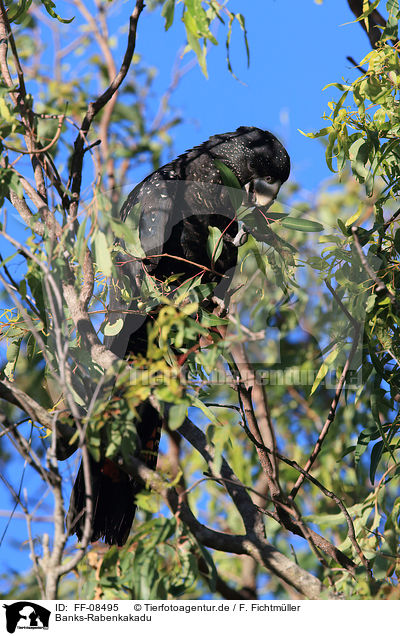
x: 331, y: 414
x: 245, y: 504
x: 259, y: 549
x: 20, y: 101
x: 94, y: 107
x: 262, y: 413
x: 63, y: 431
x: 374, y: 21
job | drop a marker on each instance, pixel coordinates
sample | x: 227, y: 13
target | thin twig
x: 331, y: 414
x: 289, y: 508
x: 380, y: 285
x: 21, y: 101
x: 391, y: 220
x: 15, y: 285
x: 262, y: 413
x: 245, y: 504
x: 38, y: 151
x: 75, y: 178
x: 28, y: 518
x: 359, y: 68
x: 341, y: 305
x: 248, y: 415
x: 258, y: 548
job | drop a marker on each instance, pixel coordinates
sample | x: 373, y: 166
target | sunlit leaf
x: 214, y: 243
x: 168, y: 13
x: 324, y: 368
x: 301, y: 225
x: 50, y: 6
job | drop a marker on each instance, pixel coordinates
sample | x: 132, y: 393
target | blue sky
x: 296, y: 49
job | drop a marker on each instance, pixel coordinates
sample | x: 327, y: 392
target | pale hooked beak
x: 262, y: 192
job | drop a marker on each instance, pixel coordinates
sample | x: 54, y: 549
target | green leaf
x: 346, y: 231
x: 341, y: 87
x: 20, y: 10
x: 214, y: 243
x: 324, y: 368
x: 220, y: 439
x: 110, y: 561
x: 386, y: 149
x: 368, y: 10
x: 16, y: 185
x: 5, y: 112
x: 359, y: 154
x: 194, y: 42
x: 301, y: 225
x: 168, y: 13
x: 230, y: 180
x: 228, y: 43
x: 129, y: 231
x: 370, y: 303
x: 49, y: 6
x: 321, y: 133
x: 212, y: 574
x: 211, y: 320
x: 111, y: 329
x: 81, y: 242
x: 351, y: 220
x: 185, y: 290
x: 228, y: 177
x: 13, y: 350
x: 339, y: 104
x: 369, y: 433
x: 396, y: 241
x: 201, y: 292
x: 391, y: 30
x: 376, y: 455
x: 261, y: 259
x: 35, y: 283
x: 199, y: 20
x: 376, y: 404
x: 392, y: 7
x: 329, y: 150
x: 176, y: 415
x: 207, y: 412
x: 146, y: 501
x: 241, y: 20
x: 316, y: 262
x: 103, y: 256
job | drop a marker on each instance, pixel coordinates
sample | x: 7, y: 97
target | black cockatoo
x: 176, y: 205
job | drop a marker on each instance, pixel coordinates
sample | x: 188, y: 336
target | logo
x: 26, y: 615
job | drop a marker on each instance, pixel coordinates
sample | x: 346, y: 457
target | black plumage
x: 175, y: 207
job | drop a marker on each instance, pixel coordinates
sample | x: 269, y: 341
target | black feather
x: 178, y: 202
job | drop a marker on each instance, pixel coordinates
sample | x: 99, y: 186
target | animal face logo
x: 26, y: 615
